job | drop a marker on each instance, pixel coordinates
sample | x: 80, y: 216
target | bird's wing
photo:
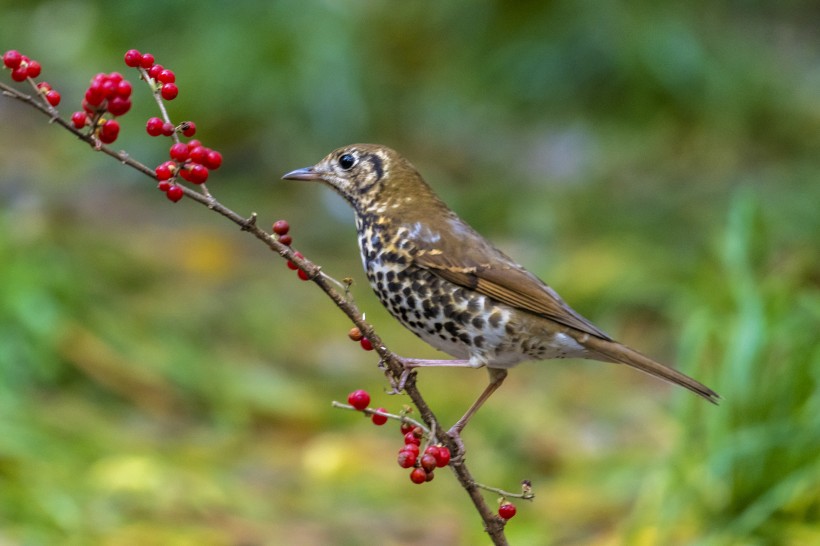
x: 485, y: 269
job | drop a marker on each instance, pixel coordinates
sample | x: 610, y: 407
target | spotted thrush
x: 451, y: 287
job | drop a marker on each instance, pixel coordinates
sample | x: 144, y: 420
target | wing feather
x: 488, y: 271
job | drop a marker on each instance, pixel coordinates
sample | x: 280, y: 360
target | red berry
x: 442, y: 456
x: 407, y: 427
x: 286, y: 240
x: 379, y: 419
x: 163, y: 172
x: 53, y: 97
x: 292, y: 265
x: 506, y: 510
x: 166, y: 76
x: 115, y: 78
x: 197, y: 173
x: 414, y: 448
x: 154, y: 126
x: 109, y: 131
x: 179, y: 151
x: 147, y: 61
x: 428, y: 462
x: 213, y: 160
x: 133, y: 58
x: 124, y: 89
x: 44, y: 87
x: 302, y: 275
x: 411, y: 438
x: 406, y: 458
x: 19, y: 74
x: 281, y: 227
x: 78, y: 119
x: 197, y: 154
x: 167, y: 128
x: 119, y: 106
x: 359, y: 399
x: 355, y: 334
x: 430, y: 476
x: 418, y: 475
x: 188, y: 128
x: 169, y: 91
x: 163, y: 185
x: 174, y: 193
x: 94, y: 95
x: 154, y: 70
x: 366, y: 345
x: 12, y: 58
x: 33, y: 69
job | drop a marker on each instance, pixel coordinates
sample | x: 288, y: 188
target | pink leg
x: 410, y: 363
x: 497, y: 376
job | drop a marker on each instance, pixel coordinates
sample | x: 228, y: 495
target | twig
x: 493, y: 524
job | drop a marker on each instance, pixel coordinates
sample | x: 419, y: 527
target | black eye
x: 347, y: 161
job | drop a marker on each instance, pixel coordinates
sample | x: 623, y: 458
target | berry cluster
x: 190, y: 160
x: 21, y: 66
x: 282, y: 230
x: 106, y: 94
x: 423, y: 464
x: 164, y: 79
x: 356, y: 335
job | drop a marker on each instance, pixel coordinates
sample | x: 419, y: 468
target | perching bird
x: 451, y: 287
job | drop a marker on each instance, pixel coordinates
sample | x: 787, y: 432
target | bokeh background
x: 164, y: 379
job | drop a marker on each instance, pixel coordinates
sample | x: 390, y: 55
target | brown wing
x: 485, y: 269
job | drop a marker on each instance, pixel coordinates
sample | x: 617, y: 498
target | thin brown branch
x: 493, y: 524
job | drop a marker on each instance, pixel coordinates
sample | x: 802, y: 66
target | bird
x: 451, y: 287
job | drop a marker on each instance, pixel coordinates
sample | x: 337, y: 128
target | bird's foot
x: 457, y: 456
x: 397, y: 384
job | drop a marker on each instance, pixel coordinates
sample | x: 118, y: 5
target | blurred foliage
x: 163, y: 380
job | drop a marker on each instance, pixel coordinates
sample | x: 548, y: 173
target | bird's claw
x: 457, y: 456
x: 397, y: 385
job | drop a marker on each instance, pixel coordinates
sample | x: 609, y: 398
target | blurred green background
x: 164, y: 379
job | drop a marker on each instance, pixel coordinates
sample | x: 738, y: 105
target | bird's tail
x: 612, y: 351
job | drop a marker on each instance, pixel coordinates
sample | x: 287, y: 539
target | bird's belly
x: 463, y: 323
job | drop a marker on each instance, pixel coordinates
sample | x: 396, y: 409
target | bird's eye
x: 347, y: 161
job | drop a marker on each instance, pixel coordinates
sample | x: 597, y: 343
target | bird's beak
x: 307, y: 173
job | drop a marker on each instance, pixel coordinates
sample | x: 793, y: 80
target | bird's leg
x: 411, y: 363
x: 497, y: 376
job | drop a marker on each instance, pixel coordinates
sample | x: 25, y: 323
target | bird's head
x: 369, y: 176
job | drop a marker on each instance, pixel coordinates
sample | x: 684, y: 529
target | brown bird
x: 451, y: 287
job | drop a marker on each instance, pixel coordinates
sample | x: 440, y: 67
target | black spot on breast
x: 419, y: 289
x: 451, y: 327
x: 495, y: 319
x: 429, y: 309
x: 478, y: 322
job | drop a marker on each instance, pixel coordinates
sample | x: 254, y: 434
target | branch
x: 394, y: 368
